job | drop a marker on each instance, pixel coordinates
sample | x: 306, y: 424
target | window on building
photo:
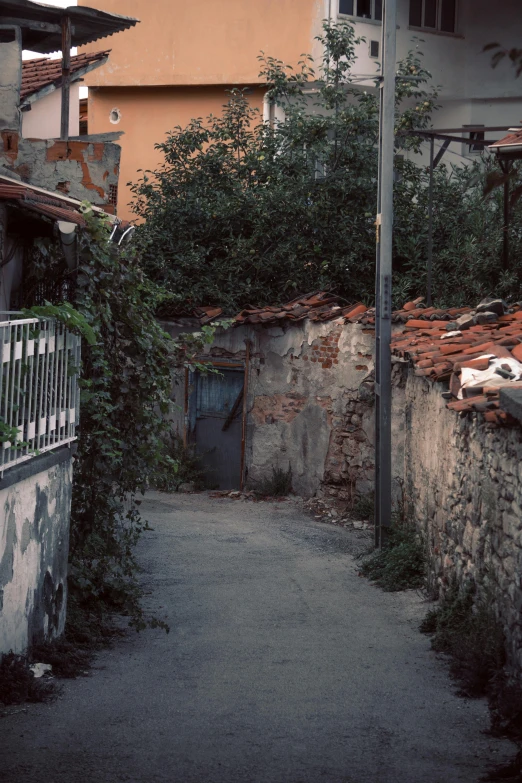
x: 374, y: 48
x: 476, y: 135
x: 434, y: 15
x: 362, y: 9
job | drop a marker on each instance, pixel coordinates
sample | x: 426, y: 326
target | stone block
x: 467, y: 538
x: 511, y: 401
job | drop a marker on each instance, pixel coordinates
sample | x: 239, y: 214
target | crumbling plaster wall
x: 84, y: 170
x: 463, y: 487
x: 34, y: 544
x: 307, y: 390
x: 310, y: 403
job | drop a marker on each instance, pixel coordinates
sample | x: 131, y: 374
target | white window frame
x: 436, y: 29
x: 468, y: 150
x: 364, y: 19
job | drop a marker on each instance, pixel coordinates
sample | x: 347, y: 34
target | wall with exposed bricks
x: 84, y: 170
x: 310, y: 403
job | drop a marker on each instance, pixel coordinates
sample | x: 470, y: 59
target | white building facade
x: 451, y: 35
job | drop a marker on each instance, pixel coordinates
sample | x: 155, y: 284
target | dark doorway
x: 215, y: 424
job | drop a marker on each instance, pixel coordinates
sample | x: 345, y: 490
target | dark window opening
x: 374, y: 48
x: 434, y: 15
x: 364, y: 9
x: 430, y: 13
x: 416, y: 13
x: 346, y: 7
x: 84, y: 117
x: 476, y: 136
x: 448, y: 15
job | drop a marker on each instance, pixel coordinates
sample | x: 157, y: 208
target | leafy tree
x: 242, y: 212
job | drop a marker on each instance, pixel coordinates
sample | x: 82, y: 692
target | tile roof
x: 45, y: 202
x: 316, y: 306
x: 476, y: 351
x: 43, y: 72
x: 476, y: 357
x: 513, y: 139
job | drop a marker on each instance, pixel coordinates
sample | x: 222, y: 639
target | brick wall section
x: 325, y: 350
x: 277, y: 407
x: 349, y: 467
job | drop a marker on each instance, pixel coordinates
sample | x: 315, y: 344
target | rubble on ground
x: 335, y: 514
x: 236, y: 494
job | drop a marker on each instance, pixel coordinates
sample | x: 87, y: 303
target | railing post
x: 38, y: 396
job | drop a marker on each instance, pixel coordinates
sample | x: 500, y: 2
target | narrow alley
x: 282, y: 665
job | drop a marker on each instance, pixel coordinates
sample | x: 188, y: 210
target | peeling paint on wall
x: 89, y: 168
x: 305, y: 394
x: 34, y: 546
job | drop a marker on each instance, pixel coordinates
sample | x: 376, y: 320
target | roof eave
x: 89, y: 24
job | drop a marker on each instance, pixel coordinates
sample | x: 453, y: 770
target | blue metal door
x: 215, y: 424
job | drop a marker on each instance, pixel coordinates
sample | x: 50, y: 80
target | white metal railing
x: 39, y: 394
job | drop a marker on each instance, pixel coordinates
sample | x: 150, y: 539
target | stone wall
x: 463, y: 486
x: 34, y: 545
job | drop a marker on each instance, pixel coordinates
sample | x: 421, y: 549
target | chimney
x: 10, y: 78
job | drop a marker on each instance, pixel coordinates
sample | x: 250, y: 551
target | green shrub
x: 364, y: 507
x: 400, y: 564
x: 278, y: 485
x: 466, y: 628
x: 179, y: 464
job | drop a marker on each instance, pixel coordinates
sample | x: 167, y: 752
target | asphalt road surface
x: 283, y: 665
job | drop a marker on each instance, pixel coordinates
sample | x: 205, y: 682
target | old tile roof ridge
x: 43, y: 71
x: 513, y: 139
x: 49, y: 203
x: 475, y: 351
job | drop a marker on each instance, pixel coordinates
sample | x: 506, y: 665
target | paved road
x: 282, y: 666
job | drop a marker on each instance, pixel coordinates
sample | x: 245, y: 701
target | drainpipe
x: 67, y: 233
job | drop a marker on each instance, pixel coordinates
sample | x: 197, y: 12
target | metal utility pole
x: 430, y: 224
x: 383, y: 278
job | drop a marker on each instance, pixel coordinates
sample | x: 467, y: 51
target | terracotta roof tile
x: 513, y: 139
x: 44, y: 202
x: 430, y: 338
x: 440, y: 358
x: 42, y: 72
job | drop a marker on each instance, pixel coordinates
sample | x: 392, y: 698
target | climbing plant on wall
x: 126, y: 384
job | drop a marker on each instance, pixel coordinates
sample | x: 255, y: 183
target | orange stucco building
x: 180, y: 60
